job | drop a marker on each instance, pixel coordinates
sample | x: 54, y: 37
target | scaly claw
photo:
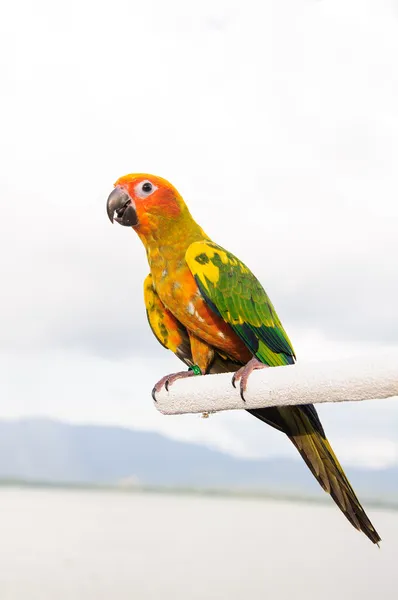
x: 244, y: 373
x: 168, y: 380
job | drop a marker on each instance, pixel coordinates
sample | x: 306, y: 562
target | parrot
x: 209, y: 309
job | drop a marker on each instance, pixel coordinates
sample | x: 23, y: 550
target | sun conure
x: 207, y: 307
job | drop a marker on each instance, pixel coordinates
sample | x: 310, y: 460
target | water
x: 97, y: 545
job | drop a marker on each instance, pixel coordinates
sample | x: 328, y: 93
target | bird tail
x: 302, y: 426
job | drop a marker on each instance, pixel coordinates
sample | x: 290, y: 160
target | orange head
x: 149, y: 204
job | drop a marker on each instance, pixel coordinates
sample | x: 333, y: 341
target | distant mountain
x: 50, y: 451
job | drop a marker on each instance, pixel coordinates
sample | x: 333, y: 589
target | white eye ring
x: 144, y: 189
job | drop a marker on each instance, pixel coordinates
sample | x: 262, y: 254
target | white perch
x: 347, y: 380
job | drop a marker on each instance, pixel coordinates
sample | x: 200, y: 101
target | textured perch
x: 303, y: 383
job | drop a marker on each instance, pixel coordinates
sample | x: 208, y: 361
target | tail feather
x: 303, y: 427
x: 321, y: 460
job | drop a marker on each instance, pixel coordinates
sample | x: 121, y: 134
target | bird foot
x: 243, y: 374
x: 168, y: 380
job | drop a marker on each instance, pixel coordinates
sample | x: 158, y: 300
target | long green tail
x: 301, y: 424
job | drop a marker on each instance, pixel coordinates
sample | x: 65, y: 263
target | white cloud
x: 277, y: 121
x: 375, y: 453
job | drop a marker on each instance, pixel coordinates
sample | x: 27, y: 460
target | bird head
x: 145, y: 202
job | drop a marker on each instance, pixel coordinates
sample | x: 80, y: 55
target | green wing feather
x: 237, y: 296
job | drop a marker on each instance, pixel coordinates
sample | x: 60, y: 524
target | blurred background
x: 278, y: 123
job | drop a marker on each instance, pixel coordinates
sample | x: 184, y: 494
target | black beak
x: 120, y: 202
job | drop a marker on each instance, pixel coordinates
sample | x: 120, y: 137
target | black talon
x: 153, y: 393
x: 241, y: 387
x: 241, y: 394
x: 166, y: 385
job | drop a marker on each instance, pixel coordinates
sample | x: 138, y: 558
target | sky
x: 278, y: 123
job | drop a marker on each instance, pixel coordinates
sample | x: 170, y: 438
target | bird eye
x: 144, y: 189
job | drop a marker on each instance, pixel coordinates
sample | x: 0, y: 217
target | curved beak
x: 119, y: 202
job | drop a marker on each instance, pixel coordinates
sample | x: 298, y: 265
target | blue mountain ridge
x: 52, y: 451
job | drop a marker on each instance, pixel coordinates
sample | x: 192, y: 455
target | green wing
x: 235, y: 294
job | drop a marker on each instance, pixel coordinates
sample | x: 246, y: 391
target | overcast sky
x: 277, y: 120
